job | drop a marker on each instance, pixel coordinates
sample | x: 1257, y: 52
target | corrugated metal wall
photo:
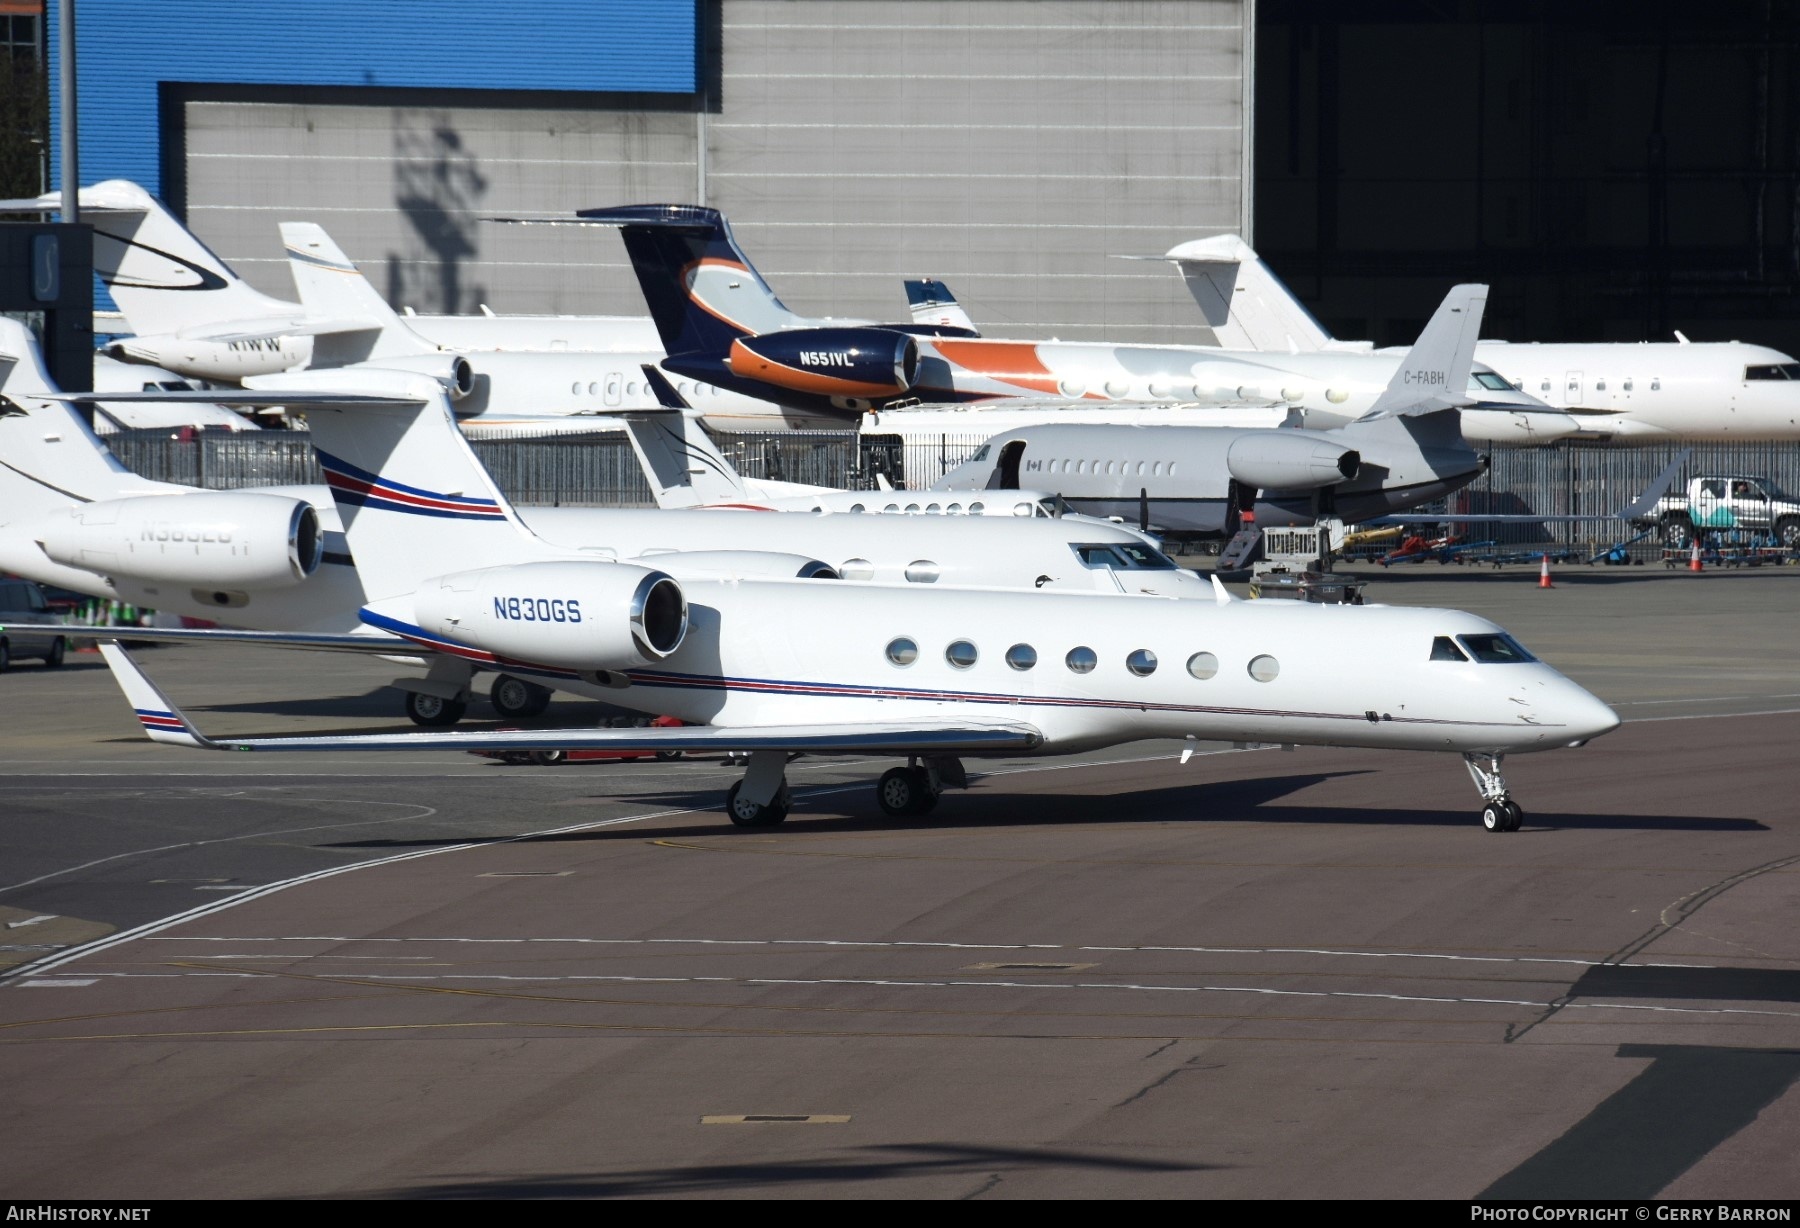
x: 401, y: 189
x: 1010, y: 148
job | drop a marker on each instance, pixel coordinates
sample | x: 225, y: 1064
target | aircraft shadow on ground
x: 1231, y: 801
x: 895, y: 1161
x: 1679, y: 1108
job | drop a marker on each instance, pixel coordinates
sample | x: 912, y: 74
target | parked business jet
x: 271, y: 559
x: 1408, y: 450
x: 194, y: 315
x: 1629, y: 392
x: 721, y: 323
x: 928, y: 674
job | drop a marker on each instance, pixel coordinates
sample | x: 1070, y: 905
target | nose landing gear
x: 1500, y: 812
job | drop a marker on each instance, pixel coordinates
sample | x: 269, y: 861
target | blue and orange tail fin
x: 701, y: 289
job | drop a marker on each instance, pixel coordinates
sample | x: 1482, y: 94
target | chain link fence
x: 1566, y: 479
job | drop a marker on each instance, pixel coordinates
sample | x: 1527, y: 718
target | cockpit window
x: 1128, y: 556
x: 1495, y: 649
x: 1785, y: 370
x: 981, y: 453
x: 1491, y: 380
x: 1443, y: 648
x: 1145, y: 558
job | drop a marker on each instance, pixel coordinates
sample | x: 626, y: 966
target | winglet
x: 1434, y: 374
x: 1646, y: 503
x: 666, y: 396
x: 161, y: 719
x: 933, y: 306
x: 1221, y: 594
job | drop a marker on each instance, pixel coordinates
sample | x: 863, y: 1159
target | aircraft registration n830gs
x: 775, y: 667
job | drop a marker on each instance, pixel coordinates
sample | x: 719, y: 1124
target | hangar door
x: 1011, y: 148
x: 401, y: 188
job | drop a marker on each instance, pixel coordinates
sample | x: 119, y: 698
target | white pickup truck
x: 1718, y: 504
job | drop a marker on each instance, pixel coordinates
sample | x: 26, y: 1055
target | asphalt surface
x: 1261, y: 974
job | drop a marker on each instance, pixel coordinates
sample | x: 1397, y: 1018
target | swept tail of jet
x: 702, y: 290
x: 163, y: 278
x: 332, y: 288
x: 49, y: 458
x: 1434, y: 374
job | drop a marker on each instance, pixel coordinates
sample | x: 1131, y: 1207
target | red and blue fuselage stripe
x: 153, y: 719
x: 360, y: 488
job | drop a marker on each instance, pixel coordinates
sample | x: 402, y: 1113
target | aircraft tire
x: 1515, y: 815
x: 1496, y: 817
x: 903, y: 792
x: 516, y: 699
x: 749, y: 814
x: 432, y: 712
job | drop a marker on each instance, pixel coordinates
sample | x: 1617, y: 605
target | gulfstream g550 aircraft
x: 722, y: 324
x: 931, y: 674
x: 1617, y: 391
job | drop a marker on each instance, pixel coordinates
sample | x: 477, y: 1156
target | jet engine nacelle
x: 739, y: 565
x: 833, y: 362
x: 572, y: 615
x: 1289, y: 460
x: 226, y: 361
x: 451, y: 370
x: 207, y: 540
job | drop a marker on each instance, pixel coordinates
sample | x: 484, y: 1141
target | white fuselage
x: 754, y: 657
x: 1638, y: 393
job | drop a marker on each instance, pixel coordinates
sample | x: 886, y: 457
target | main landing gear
x: 762, y: 797
x: 1499, y: 812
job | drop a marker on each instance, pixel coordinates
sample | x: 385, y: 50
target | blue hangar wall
x: 127, y: 50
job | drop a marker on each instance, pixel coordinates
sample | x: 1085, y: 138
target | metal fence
x: 601, y: 471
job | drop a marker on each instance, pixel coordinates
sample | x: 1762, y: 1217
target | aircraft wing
x: 375, y: 645
x: 1639, y: 507
x: 164, y: 722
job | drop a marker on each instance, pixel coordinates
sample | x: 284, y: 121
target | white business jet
x: 1629, y: 392
x: 194, y: 315
x: 775, y: 667
x: 271, y: 559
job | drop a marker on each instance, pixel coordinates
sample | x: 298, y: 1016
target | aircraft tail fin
x: 49, y: 458
x: 414, y: 499
x: 702, y: 290
x: 162, y: 277
x: 683, y: 467
x: 1243, y: 302
x: 934, y: 307
x: 1434, y: 374
x: 332, y: 288
x: 161, y: 719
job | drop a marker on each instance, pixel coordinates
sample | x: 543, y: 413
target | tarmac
x: 1261, y: 974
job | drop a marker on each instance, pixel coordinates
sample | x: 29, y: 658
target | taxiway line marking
x: 920, y: 944
x: 382, y: 980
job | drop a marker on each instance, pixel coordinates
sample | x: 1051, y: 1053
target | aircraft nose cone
x: 1586, y: 717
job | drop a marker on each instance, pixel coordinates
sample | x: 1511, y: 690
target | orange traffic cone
x: 1694, y: 557
x: 1544, y: 574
